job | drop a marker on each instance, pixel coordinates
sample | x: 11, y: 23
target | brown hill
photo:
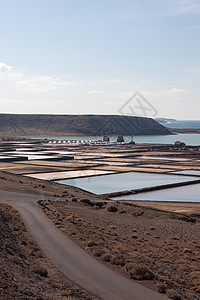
x: 29, y: 125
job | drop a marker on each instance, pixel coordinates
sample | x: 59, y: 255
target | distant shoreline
x: 184, y: 130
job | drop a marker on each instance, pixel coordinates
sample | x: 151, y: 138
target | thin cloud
x: 42, y: 84
x: 193, y: 28
x: 169, y: 92
x: 110, y: 81
x: 180, y: 7
x: 96, y: 92
x: 6, y: 71
x: 4, y: 68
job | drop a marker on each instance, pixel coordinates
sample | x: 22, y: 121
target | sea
x: 179, y: 124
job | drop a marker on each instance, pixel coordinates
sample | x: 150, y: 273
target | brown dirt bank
x: 189, y: 208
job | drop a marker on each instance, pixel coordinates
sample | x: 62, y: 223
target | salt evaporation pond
x: 124, y: 181
x: 189, y: 193
x: 163, y: 158
x: 187, y: 172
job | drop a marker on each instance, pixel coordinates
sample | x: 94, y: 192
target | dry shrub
x: 56, y: 285
x: 74, y: 199
x: 71, y: 232
x: 174, y: 238
x: 41, y: 271
x: 97, y: 252
x: 152, y: 228
x: 196, y: 289
x: 172, y: 294
x: 111, y: 208
x: 161, y: 288
x: 141, y: 273
x: 122, y: 211
x: 134, y: 236
x: 122, y: 249
x: 106, y: 257
x: 177, y: 278
x: 117, y: 260
x: 163, y: 279
x: 137, y: 213
x: 81, y: 237
x: 129, y: 266
x: 16, y: 260
x: 187, y: 250
x: 7, y: 243
x: 112, y: 227
x: 91, y: 244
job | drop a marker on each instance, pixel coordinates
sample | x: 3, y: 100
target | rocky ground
x: 159, y: 249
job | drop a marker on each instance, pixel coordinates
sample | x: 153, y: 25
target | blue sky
x: 91, y: 56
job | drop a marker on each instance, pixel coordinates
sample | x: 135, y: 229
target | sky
x: 92, y: 56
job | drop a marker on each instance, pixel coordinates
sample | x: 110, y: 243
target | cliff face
x: 30, y: 125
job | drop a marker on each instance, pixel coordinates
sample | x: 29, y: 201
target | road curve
x: 72, y: 260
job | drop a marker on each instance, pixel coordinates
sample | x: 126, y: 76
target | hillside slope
x: 23, y: 125
x: 25, y: 272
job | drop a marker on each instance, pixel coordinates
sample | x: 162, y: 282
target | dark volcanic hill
x: 33, y: 125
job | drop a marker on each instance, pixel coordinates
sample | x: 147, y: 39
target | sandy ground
x: 190, y: 208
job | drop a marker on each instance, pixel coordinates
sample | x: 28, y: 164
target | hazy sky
x: 91, y: 56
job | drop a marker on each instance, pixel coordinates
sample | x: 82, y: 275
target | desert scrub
x: 7, y: 243
x: 134, y: 236
x: 41, y: 271
x: 172, y: 294
x: 74, y: 199
x: 106, y: 257
x: 97, y: 251
x: 71, y: 232
x: 187, y: 250
x: 152, y: 228
x: 196, y: 289
x: 141, y: 272
x: 112, y: 227
x: 111, y: 208
x: 129, y: 266
x: 147, y: 233
x: 117, y: 260
x: 91, y: 244
x: 161, y: 288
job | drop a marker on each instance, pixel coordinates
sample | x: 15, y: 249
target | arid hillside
x: 27, y: 125
x: 25, y: 272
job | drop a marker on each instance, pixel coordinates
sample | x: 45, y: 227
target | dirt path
x: 73, y: 261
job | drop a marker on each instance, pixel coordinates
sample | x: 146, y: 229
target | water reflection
x: 124, y: 181
x: 189, y: 193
